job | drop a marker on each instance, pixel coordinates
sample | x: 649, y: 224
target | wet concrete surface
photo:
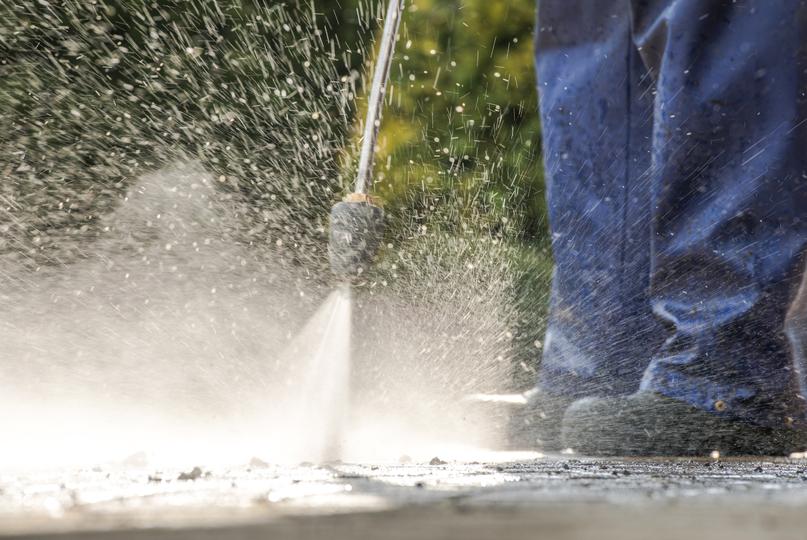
x: 551, y: 497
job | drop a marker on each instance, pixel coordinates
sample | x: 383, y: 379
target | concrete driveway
x: 543, y: 497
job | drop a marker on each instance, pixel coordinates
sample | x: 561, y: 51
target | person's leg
x: 730, y: 200
x: 729, y: 226
x: 596, y: 110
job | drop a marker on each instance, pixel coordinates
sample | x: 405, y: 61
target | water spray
x: 357, y: 227
x: 357, y: 222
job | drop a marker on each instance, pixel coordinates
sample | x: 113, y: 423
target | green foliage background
x: 462, y: 120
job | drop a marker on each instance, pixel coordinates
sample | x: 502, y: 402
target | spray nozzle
x: 357, y: 228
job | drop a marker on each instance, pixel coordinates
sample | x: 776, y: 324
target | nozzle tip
x: 357, y: 228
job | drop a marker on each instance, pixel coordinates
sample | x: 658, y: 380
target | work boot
x: 649, y: 424
x: 536, y: 424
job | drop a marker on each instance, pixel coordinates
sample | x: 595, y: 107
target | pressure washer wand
x: 357, y: 223
x: 378, y: 91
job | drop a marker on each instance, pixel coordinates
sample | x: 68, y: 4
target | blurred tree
x: 462, y: 124
x: 459, y: 151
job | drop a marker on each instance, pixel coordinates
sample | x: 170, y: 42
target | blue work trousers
x: 675, y: 146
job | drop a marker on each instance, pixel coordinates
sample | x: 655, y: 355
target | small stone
x: 437, y: 461
x: 193, y: 474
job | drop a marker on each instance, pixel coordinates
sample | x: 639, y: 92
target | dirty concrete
x: 551, y: 497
